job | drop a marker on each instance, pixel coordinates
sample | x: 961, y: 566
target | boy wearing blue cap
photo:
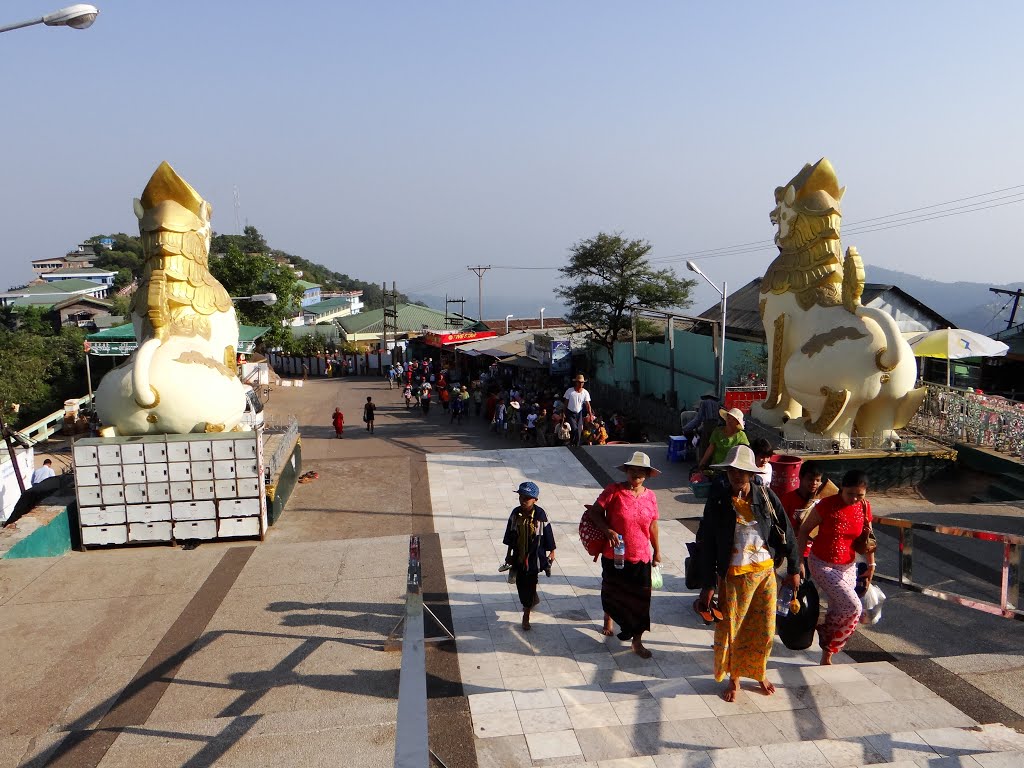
x: 531, y: 546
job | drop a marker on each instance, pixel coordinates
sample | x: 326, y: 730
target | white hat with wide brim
x: 736, y: 413
x: 642, y: 460
x: 740, y: 457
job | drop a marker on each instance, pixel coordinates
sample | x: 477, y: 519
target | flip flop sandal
x: 716, y: 612
x: 705, y: 614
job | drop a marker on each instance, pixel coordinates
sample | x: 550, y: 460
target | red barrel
x: 785, y: 473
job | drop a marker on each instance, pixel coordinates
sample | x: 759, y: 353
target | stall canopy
x: 120, y: 340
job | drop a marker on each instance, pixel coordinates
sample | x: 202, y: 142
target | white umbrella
x: 955, y: 344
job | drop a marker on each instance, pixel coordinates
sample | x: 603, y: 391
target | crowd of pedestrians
x: 753, y: 543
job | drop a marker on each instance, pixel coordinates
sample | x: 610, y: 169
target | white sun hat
x: 736, y: 413
x: 740, y: 457
x: 642, y: 460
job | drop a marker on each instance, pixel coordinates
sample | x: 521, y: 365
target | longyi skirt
x: 743, y: 639
x: 626, y: 596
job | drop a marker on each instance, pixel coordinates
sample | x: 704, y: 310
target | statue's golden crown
x: 816, y: 188
x: 165, y: 184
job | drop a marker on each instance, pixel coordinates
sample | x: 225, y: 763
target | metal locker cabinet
x: 248, y: 487
x: 246, y: 468
x: 181, y: 491
x: 132, y: 453
x: 112, y: 515
x: 111, y: 474
x: 155, y: 452
x: 89, y: 496
x: 109, y: 454
x: 156, y: 473
x: 223, y: 449
x: 156, y: 531
x: 238, y: 526
x: 112, y: 494
x: 134, y: 473
x: 87, y: 475
x: 158, y: 492
x: 178, y: 450
x: 223, y: 470
x: 200, y: 450
x: 195, y: 529
x: 225, y: 489
x: 238, y: 507
x: 202, y: 470
x: 179, y: 471
x: 136, y: 494
x: 203, y: 489
x: 245, y: 448
x: 147, y: 513
x: 85, y: 455
x: 97, y: 535
x: 193, y: 510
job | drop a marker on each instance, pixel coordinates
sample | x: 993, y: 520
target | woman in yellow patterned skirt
x: 744, y: 535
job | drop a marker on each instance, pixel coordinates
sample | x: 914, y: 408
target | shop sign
x: 561, y: 356
x: 457, y: 337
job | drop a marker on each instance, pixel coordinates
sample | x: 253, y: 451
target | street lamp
x: 261, y: 298
x: 542, y: 317
x: 721, y: 349
x: 78, y: 16
x: 507, y: 318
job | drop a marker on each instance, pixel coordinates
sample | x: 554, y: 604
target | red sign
x: 457, y: 337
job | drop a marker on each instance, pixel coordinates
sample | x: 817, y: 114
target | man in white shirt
x: 577, y: 405
x: 45, y: 472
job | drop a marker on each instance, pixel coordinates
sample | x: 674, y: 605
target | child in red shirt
x: 338, y: 420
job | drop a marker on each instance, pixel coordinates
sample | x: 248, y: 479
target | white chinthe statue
x: 836, y: 369
x: 183, y: 376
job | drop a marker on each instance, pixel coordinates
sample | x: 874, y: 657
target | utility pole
x: 462, y: 313
x: 1016, y: 301
x: 479, y: 270
x: 389, y: 303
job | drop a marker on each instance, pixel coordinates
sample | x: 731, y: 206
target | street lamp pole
x: 78, y: 16
x: 507, y: 318
x: 723, y: 292
x: 542, y: 317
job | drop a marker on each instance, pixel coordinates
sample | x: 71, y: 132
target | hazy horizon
x: 403, y: 142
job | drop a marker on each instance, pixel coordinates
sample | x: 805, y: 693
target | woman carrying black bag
x: 744, y: 536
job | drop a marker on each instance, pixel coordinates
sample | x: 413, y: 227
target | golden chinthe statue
x: 836, y: 369
x: 183, y: 376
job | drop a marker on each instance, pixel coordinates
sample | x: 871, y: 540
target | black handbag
x: 691, y: 566
x: 796, y: 630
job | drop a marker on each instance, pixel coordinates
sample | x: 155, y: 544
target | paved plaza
x: 272, y: 653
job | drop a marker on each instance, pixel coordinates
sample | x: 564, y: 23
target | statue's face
x: 782, y: 217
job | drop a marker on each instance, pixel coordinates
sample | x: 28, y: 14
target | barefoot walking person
x: 531, y: 544
x: 338, y: 420
x: 744, y: 535
x: 840, y: 519
x: 628, y: 513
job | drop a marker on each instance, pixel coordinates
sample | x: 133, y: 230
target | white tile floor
x: 573, y: 696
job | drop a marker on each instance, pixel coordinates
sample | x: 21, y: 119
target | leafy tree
x: 23, y: 361
x: 120, y: 306
x: 607, y: 278
x: 246, y: 274
x: 40, y: 368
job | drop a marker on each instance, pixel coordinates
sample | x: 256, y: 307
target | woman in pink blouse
x: 627, y: 512
x: 833, y: 562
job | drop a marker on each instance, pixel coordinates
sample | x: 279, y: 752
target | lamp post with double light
x: 721, y: 345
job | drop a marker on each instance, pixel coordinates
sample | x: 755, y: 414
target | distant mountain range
x: 967, y: 305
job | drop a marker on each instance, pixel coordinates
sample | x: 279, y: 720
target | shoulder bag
x: 590, y: 536
x: 866, y: 543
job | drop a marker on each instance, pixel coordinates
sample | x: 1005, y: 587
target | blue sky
x: 404, y: 141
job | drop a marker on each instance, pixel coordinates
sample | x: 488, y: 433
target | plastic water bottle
x: 619, y: 550
x: 782, y: 604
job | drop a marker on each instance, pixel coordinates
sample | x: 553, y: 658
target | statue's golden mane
x: 809, y: 263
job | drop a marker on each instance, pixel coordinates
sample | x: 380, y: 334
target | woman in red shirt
x: 628, y: 513
x: 840, y: 519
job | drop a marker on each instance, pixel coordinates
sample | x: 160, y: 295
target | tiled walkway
x: 563, y: 694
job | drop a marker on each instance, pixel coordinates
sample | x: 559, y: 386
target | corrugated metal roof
x: 411, y: 319
x: 744, y: 316
x: 328, y: 304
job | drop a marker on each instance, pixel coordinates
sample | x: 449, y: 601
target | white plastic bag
x: 657, y: 580
x: 871, y: 601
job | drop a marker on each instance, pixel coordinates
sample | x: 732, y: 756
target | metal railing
x: 284, y: 447
x: 49, y: 425
x: 959, y: 416
x: 1009, y: 583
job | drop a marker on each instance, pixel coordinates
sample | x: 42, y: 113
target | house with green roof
x: 412, y: 320
x: 310, y: 292
x: 56, y: 291
x: 121, y: 340
x: 341, y: 305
